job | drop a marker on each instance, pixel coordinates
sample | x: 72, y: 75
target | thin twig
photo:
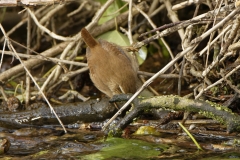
x: 28, y: 80
x: 47, y: 30
x: 129, y: 33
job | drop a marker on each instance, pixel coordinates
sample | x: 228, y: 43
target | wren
x: 111, y: 69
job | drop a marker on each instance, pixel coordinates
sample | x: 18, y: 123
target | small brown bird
x: 111, y: 69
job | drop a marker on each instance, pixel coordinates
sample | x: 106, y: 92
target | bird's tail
x: 88, y: 39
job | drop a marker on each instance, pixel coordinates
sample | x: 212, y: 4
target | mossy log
x: 209, y: 109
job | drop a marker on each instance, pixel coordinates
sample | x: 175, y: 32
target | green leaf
x: 164, y: 49
x: 111, y: 11
x: 115, y: 37
x: 142, y: 55
x: 122, y: 40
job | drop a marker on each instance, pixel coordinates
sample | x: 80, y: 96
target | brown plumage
x: 111, y: 69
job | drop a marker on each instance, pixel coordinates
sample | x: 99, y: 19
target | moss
x: 115, y: 133
x: 147, y: 130
x: 213, y: 116
x: 219, y: 107
x: 127, y: 149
